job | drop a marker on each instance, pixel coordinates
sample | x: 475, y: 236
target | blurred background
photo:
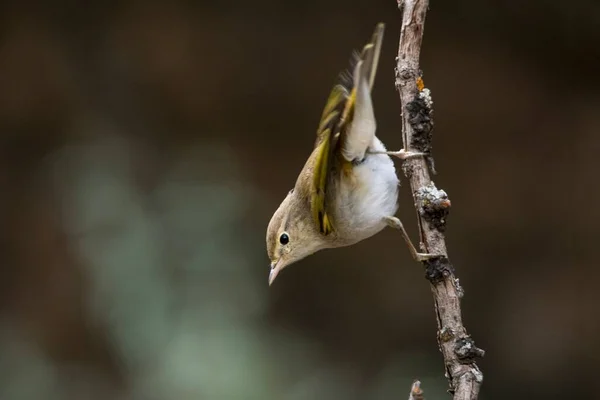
x: 144, y: 146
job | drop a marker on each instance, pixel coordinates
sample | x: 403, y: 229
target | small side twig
x: 457, y: 347
x: 415, y: 392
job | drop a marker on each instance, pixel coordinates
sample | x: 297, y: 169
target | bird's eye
x: 284, y: 238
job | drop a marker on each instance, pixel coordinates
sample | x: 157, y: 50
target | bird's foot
x: 401, y: 154
x: 395, y: 223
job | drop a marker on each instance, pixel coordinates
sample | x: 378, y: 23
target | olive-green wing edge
x: 336, y: 115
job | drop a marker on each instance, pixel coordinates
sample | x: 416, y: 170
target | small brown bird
x: 348, y: 188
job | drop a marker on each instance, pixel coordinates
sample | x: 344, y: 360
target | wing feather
x: 336, y: 120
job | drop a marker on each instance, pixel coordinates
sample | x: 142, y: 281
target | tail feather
x: 359, y: 115
x: 373, y: 50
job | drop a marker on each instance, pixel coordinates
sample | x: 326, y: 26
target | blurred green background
x: 144, y: 146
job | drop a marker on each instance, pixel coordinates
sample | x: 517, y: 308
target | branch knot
x: 437, y: 269
x: 434, y: 206
x: 420, y: 118
x: 466, y: 351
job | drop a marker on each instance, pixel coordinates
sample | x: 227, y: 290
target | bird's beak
x: 274, y: 271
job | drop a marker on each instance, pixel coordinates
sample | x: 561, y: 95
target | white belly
x: 368, y: 195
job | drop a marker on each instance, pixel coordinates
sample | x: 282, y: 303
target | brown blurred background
x: 145, y: 145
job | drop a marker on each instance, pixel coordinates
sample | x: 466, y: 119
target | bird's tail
x: 358, y: 115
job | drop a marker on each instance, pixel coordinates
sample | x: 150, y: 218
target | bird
x: 347, y: 190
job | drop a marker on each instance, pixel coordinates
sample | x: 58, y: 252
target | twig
x: 415, y: 392
x: 433, y: 206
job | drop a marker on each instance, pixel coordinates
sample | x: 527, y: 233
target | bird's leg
x: 395, y: 223
x: 401, y: 154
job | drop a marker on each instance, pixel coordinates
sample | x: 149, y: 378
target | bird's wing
x: 347, y: 125
x: 327, y: 136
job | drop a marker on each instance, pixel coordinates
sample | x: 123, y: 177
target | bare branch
x: 457, y: 347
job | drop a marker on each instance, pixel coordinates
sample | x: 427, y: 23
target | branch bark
x: 432, y: 205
